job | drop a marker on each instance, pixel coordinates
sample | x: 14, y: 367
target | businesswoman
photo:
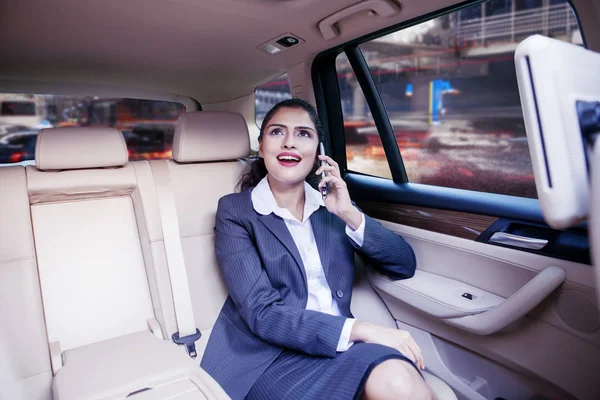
x: 287, y: 257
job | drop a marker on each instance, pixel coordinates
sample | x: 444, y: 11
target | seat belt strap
x: 182, y: 300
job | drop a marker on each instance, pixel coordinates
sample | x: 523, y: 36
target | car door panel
x: 569, y: 245
x: 474, y: 376
x: 549, y: 342
x: 471, y: 375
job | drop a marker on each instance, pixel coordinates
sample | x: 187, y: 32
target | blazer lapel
x: 320, y: 221
x: 277, y: 227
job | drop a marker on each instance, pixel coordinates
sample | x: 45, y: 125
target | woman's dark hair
x: 257, y: 170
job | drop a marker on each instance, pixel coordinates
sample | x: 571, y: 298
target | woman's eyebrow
x: 305, y: 127
x: 279, y: 125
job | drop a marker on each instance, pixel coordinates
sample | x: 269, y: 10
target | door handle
x: 518, y: 241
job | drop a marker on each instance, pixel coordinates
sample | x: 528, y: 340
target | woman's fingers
x: 327, y: 168
x: 413, y: 351
x: 417, y: 352
x: 332, y: 179
x: 398, y: 339
x: 331, y: 162
x: 407, y: 352
x: 413, y: 354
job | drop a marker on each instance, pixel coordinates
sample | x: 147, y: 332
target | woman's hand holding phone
x: 337, y: 200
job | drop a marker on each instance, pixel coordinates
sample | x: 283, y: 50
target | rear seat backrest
x: 206, y: 165
x: 91, y: 266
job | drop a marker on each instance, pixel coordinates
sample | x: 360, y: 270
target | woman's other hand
x: 338, y: 199
x: 394, y: 338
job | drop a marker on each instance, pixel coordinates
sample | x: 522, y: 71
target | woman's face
x: 289, y: 145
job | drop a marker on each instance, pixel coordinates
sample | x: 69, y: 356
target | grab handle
x: 382, y: 8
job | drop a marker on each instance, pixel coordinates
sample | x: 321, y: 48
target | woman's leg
x: 396, y: 379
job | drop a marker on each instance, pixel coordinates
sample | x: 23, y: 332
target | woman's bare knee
x: 396, y: 379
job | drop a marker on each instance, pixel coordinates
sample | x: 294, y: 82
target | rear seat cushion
x: 143, y: 361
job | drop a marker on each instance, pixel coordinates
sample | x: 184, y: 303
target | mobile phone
x: 324, y: 188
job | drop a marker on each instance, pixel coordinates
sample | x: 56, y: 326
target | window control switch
x: 467, y: 296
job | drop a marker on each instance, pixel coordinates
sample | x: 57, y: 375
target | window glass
x: 450, y: 90
x: 147, y: 125
x: 265, y: 97
x: 364, y: 152
x: 269, y: 94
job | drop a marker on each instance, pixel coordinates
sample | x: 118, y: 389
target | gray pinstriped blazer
x: 265, y: 310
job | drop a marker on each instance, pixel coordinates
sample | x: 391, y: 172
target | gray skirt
x: 296, y: 375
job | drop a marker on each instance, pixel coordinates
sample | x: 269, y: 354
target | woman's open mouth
x: 288, y: 159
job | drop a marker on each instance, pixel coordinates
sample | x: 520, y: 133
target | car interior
x: 145, y: 113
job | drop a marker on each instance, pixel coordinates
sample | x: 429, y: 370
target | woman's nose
x: 288, y: 142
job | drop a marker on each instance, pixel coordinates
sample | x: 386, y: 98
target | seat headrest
x: 79, y: 148
x: 210, y: 136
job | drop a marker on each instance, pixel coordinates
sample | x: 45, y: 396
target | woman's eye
x: 276, y: 132
x: 304, y: 134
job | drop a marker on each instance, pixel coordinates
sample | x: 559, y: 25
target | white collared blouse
x: 320, y: 297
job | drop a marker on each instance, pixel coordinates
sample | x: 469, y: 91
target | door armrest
x: 465, y: 306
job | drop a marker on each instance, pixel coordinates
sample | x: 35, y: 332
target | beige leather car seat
x: 96, y: 277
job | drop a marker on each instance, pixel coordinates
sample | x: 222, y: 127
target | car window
x: 147, y: 125
x: 364, y: 151
x: 269, y: 94
x: 450, y: 91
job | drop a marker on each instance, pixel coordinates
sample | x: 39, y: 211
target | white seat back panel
x: 92, y: 274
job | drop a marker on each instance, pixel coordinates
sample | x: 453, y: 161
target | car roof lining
x: 205, y: 50
x: 199, y: 49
